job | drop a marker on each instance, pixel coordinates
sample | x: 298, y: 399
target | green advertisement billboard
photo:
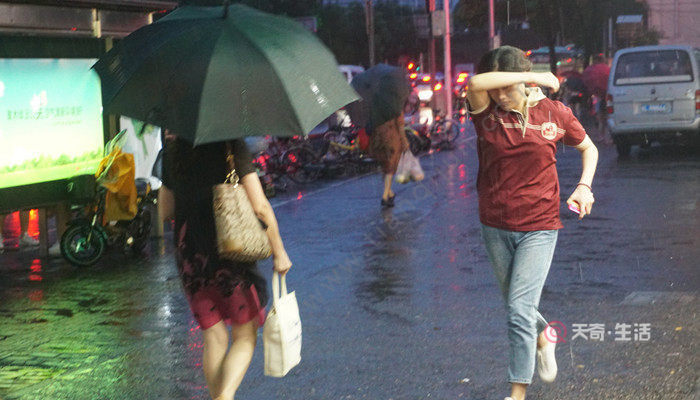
x: 50, y: 120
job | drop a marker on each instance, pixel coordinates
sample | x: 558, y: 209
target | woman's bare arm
x: 264, y: 211
x: 582, y: 195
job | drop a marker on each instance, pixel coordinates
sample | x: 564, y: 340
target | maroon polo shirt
x: 517, y: 181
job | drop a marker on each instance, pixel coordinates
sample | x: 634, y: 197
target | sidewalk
x: 395, y: 304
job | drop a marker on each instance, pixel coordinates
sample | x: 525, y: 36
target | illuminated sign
x: 50, y: 120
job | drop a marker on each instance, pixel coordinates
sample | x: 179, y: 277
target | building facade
x: 676, y: 20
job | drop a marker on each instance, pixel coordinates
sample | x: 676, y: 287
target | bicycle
x: 288, y: 157
x: 444, y: 131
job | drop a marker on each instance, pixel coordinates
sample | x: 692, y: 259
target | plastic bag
x: 409, y: 168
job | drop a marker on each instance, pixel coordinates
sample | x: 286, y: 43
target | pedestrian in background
x: 24, y: 238
x: 386, y: 144
x: 595, y: 78
x: 384, y: 90
x: 219, y: 291
x: 518, y: 129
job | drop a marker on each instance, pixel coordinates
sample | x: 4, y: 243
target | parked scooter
x: 88, y: 236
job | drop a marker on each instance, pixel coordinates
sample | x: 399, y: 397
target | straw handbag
x: 240, y: 235
x: 282, y: 331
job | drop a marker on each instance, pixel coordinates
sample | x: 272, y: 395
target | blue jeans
x: 520, y: 262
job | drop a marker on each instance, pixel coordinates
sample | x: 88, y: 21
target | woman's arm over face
x: 480, y: 84
x: 264, y: 211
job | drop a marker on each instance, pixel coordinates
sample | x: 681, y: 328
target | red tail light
x: 697, y: 100
x: 609, y: 104
x: 438, y: 86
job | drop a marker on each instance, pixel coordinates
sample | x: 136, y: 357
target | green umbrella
x: 384, y: 90
x: 217, y: 73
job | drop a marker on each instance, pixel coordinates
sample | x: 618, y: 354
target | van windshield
x: 653, y: 67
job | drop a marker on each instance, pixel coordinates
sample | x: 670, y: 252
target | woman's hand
x: 547, y: 79
x: 582, y: 197
x: 281, y: 263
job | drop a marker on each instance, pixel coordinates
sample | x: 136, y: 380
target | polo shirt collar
x: 534, y: 95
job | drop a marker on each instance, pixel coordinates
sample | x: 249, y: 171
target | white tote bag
x: 282, y: 331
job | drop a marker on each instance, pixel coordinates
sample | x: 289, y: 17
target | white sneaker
x: 508, y: 398
x: 26, y: 240
x: 55, y: 250
x: 546, y: 361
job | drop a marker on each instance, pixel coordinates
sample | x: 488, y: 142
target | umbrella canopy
x: 217, y: 73
x: 384, y: 90
x: 595, y: 77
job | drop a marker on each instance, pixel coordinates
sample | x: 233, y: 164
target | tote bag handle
x: 276, y: 287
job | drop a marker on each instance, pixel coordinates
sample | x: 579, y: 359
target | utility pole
x: 431, y: 43
x: 492, y: 26
x: 369, y: 23
x: 448, y: 60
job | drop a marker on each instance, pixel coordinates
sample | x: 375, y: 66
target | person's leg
x: 24, y: 238
x: 531, y: 262
x: 238, y: 358
x: 215, y: 345
x: 518, y: 391
x: 500, y: 247
x: 388, y: 178
x: 2, y: 229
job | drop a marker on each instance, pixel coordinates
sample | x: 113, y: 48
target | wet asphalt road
x: 396, y: 304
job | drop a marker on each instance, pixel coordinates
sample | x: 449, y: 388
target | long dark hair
x: 505, y: 59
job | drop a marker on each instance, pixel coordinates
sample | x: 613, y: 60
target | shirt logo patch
x: 549, y: 130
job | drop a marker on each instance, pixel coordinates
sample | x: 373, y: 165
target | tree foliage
x: 582, y: 22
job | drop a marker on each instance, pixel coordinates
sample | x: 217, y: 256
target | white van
x: 349, y: 71
x: 654, y: 95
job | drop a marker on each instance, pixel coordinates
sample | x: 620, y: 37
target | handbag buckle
x: 232, y: 177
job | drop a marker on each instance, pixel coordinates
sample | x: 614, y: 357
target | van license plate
x: 656, y: 108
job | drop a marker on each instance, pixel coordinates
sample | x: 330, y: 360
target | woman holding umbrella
x: 214, y: 75
x: 384, y: 90
x: 518, y: 129
x: 219, y: 291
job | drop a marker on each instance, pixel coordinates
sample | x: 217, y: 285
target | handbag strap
x: 276, y: 287
x: 232, y: 176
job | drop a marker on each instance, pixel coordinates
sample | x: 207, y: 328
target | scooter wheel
x: 81, y: 248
